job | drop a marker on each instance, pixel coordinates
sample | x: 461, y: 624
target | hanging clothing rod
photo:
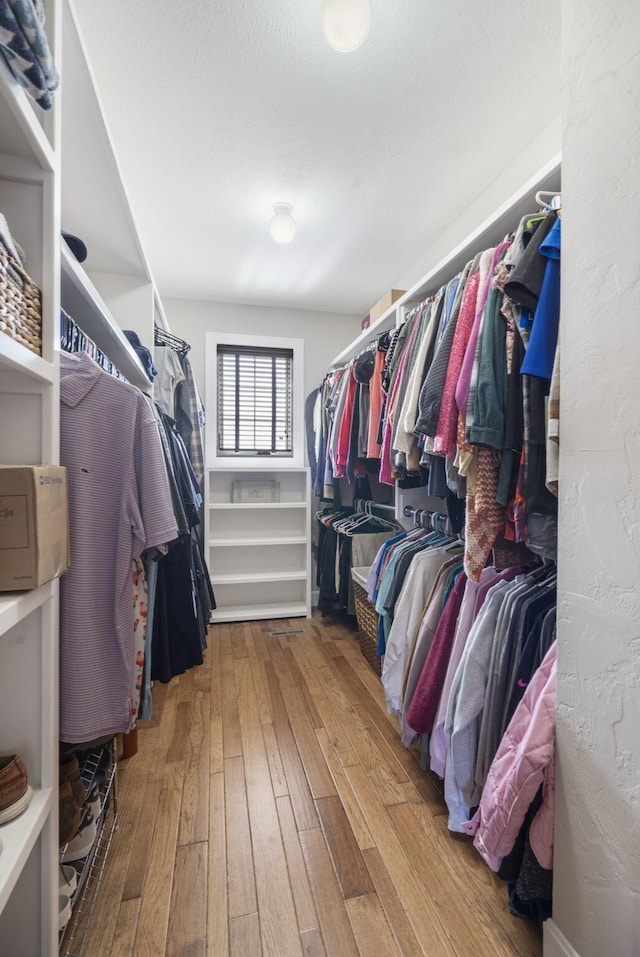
x: 438, y: 521
x: 367, y: 506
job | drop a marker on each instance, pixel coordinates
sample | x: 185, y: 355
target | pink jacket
x: 524, y: 761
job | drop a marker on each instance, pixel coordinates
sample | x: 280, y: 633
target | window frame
x: 214, y: 457
x: 254, y: 378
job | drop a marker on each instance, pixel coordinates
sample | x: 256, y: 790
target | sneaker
x: 64, y: 911
x: 82, y: 843
x: 94, y: 802
x: 15, y: 792
x: 67, y: 880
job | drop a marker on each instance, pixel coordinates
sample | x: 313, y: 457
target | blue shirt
x: 544, y: 334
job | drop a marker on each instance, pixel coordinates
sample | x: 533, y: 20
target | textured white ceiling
x: 221, y: 108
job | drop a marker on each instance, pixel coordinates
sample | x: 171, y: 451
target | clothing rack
x: 422, y: 518
x: 368, y: 507
x: 73, y: 339
x: 163, y: 338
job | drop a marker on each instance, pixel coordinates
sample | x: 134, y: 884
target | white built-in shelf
x: 95, y: 201
x: 501, y: 222
x: 259, y: 552
x: 282, y: 540
x: 22, y: 133
x: 81, y: 300
x: 247, y: 578
x: 15, y: 606
x: 18, y: 838
x: 17, y: 358
x: 261, y: 506
x: 260, y: 612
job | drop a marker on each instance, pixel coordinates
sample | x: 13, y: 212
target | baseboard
x: 555, y: 944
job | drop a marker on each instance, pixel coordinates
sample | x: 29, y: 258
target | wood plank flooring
x: 272, y: 810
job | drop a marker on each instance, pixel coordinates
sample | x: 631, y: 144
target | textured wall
x: 597, y: 862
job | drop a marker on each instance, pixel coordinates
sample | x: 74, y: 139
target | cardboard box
x: 385, y: 303
x: 34, y: 526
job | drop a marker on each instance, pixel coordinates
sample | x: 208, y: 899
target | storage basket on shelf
x: 247, y: 491
x: 367, y: 619
x: 20, y: 304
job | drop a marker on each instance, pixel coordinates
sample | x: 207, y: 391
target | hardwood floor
x: 272, y: 810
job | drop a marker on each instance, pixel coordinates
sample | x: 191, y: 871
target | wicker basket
x: 367, y: 618
x: 20, y: 304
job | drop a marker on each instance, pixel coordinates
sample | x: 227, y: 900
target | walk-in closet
x: 319, y: 479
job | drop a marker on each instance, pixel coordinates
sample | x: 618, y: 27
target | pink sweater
x: 524, y: 761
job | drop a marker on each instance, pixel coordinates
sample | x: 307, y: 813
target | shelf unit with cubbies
x: 30, y: 202
x: 259, y: 552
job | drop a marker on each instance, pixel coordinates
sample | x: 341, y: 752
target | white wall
x: 325, y: 334
x: 597, y: 842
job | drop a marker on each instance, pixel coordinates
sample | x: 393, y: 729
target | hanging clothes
x: 119, y: 506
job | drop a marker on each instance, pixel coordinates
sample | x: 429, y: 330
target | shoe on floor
x: 64, y: 911
x: 82, y: 843
x: 67, y: 880
x: 14, y: 787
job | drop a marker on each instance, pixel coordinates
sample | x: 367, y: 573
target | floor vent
x: 280, y: 634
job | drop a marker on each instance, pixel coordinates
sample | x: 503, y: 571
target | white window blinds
x: 255, y: 401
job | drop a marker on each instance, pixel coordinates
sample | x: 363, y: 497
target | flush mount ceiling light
x: 283, y: 225
x: 345, y: 23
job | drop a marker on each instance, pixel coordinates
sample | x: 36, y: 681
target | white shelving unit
x: 57, y: 170
x: 259, y: 555
x: 29, y: 198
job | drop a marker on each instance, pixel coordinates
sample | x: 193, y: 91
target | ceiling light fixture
x: 283, y: 225
x: 346, y: 23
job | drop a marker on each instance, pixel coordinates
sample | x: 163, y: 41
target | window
x: 255, y: 400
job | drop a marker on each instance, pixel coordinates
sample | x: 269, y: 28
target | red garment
x: 424, y: 704
x: 375, y: 405
x: 344, y: 434
x: 445, y: 437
